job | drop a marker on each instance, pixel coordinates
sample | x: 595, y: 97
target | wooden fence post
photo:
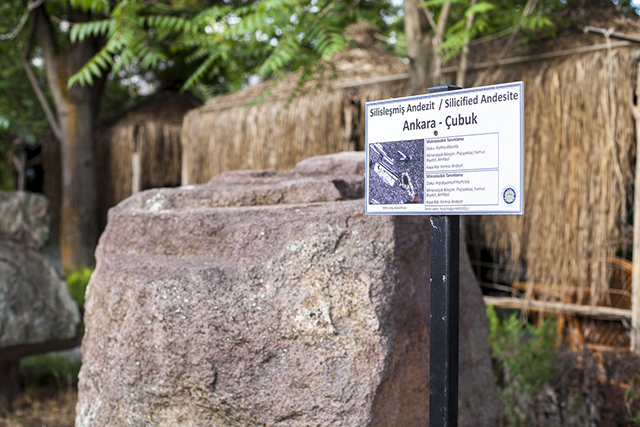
x: 635, y: 274
x: 136, y: 170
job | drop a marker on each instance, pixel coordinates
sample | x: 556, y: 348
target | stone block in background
x: 24, y: 218
x: 269, y: 298
x: 37, y: 313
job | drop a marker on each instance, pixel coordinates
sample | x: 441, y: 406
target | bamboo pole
x: 635, y: 271
x: 136, y: 173
x: 606, y: 32
x: 559, y: 307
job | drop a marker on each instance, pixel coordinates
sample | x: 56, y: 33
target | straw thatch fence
x: 579, y: 149
x: 234, y: 132
x: 579, y: 167
x: 141, y: 149
x: 579, y: 152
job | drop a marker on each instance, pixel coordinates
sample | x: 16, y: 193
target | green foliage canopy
x: 225, y: 39
x: 21, y: 118
x: 78, y: 280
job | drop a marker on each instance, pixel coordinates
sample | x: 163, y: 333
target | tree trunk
x: 75, y: 114
x: 9, y: 381
x: 420, y: 49
x: 19, y: 159
x: 79, y: 213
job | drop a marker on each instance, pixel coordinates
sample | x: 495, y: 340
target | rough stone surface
x: 24, y: 218
x: 269, y: 298
x: 35, y: 305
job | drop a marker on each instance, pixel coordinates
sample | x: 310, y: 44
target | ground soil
x: 41, y: 408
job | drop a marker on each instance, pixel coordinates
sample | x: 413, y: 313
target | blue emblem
x: 509, y: 195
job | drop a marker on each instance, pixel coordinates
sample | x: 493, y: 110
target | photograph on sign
x: 456, y: 152
x: 396, y: 172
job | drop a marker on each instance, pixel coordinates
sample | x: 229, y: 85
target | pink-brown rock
x: 268, y: 298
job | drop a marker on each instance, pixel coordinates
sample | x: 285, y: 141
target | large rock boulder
x: 37, y: 313
x: 269, y: 298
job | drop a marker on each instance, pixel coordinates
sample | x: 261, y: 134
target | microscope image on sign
x: 387, y: 170
x: 395, y: 169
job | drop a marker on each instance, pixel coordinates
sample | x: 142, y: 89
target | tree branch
x: 51, y: 118
x: 46, y: 36
x: 14, y: 33
x: 35, y: 85
x: 19, y: 165
x: 528, y: 8
x: 442, y: 21
x: 433, y: 24
x: 55, y: 81
x: 14, y: 102
x: 464, y: 55
x: 439, y: 27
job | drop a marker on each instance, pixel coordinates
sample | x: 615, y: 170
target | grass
x: 78, y: 280
x: 49, y: 395
x: 56, y: 371
x: 36, y: 409
x: 523, y: 357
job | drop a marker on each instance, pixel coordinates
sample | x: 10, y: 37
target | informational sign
x: 448, y: 153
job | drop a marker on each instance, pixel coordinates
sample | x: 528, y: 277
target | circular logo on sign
x: 509, y: 195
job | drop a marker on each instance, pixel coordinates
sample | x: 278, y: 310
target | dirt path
x: 42, y: 408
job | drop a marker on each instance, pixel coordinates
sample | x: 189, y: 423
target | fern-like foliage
x: 81, y: 31
x: 129, y: 31
x: 265, y: 37
x: 93, y: 6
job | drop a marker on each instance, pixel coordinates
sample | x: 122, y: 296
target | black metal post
x: 443, y: 329
x: 444, y: 314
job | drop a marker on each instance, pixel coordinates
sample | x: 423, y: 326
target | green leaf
x: 479, y: 8
x: 84, y: 76
x: 78, y: 281
x: 283, y: 54
x: 81, y: 31
x: 95, y: 70
x: 437, y: 3
x: 199, y: 73
x: 4, y: 122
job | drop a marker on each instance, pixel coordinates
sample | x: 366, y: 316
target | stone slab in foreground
x: 268, y: 298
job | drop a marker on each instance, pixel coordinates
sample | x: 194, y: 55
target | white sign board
x: 447, y: 153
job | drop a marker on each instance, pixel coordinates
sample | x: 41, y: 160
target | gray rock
x: 37, y: 313
x: 269, y: 298
x: 35, y: 305
x: 24, y: 218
